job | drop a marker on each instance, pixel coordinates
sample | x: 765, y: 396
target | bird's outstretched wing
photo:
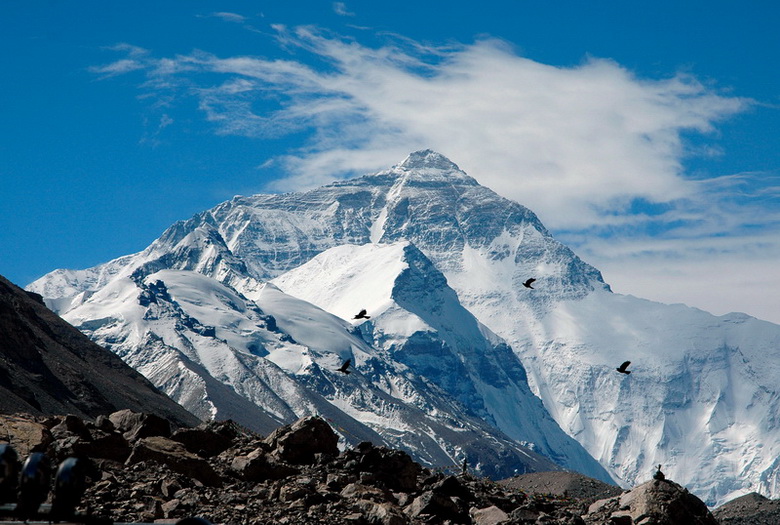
x: 527, y: 283
x: 362, y: 315
x: 344, y: 366
x: 623, y: 367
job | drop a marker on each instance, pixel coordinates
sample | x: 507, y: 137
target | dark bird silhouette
x: 344, y: 367
x: 623, y: 367
x: 362, y: 315
x: 527, y: 284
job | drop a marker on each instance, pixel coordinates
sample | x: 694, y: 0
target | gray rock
x: 434, y: 504
x: 175, y: 456
x: 259, y: 466
x: 657, y: 502
x: 203, y: 440
x: 135, y: 425
x: 488, y: 516
x: 300, y: 442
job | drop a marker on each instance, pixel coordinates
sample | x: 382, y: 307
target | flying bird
x: 344, y: 367
x: 527, y: 284
x: 362, y: 315
x: 623, y: 367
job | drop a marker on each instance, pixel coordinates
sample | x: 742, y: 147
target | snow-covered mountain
x: 701, y: 399
x: 222, y: 356
x: 417, y: 319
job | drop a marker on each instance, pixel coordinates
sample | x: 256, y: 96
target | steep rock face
x: 48, y: 367
x: 701, y: 399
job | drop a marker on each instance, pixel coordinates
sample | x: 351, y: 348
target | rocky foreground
x: 139, y: 469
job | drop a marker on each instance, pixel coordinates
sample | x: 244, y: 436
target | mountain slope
x: 48, y: 367
x: 698, y: 401
x: 274, y: 360
x: 417, y: 319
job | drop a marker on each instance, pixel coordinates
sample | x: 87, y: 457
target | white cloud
x: 340, y: 8
x: 594, y: 150
x: 578, y: 144
x: 118, y: 67
x: 717, y: 274
x: 229, y: 17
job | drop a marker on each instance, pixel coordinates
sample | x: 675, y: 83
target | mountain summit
x: 700, y: 399
x: 428, y: 159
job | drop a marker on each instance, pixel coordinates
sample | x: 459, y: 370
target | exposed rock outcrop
x: 657, y: 502
x: 48, y: 367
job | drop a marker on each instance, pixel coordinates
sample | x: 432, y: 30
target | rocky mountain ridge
x: 49, y: 367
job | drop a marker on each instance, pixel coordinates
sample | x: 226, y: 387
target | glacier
x: 701, y: 399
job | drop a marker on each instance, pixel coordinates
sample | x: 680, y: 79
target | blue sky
x: 643, y: 135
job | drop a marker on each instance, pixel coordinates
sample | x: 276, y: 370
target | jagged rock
x: 258, y: 466
x: 25, y: 434
x: 489, y: 516
x: 657, y: 502
x: 431, y: 503
x: 102, y: 422
x: 135, y: 425
x: 174, y: 455
x: 71, y: 424
x: 365, y: 492
x: 383, y: 513
x: 451, y: 486
x: 104, y: 445
x: 392, y: 468
x: 301, y: 441
x: 206, y: 440
x: 293, y: 492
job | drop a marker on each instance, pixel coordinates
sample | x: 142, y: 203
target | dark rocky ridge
x: 49, y: 367
x: 750, y: 509
x: 140, y: 470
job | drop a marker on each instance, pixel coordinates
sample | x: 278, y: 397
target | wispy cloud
x: 595, y: 150
x: 229, y: 17
x: 118, y: 67
x: 340, y: 8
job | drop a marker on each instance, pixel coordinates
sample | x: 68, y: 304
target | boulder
x: 383, y: 513
x: 366, y: 492
x: 203, y: 440
x: 25, y: 435
x: 135, y: 425
x: 655, y: 502
x: 173, y: 454
x: 393, y: 469
x: 104, y: 445
x: 434, y: 504
x: 301, y: 442
x: 258, y: 466
x: 489, y: 516
x: 71, y: 425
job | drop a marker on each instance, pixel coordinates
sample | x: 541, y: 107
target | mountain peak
x: 428, y: 159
